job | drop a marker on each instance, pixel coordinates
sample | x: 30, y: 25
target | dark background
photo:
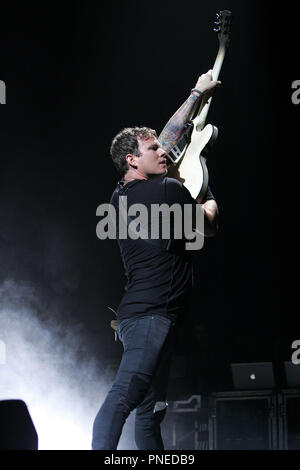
x: 76, y: 73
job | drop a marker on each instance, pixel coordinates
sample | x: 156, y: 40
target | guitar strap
x: 162, y: 245
x: 170, y: 245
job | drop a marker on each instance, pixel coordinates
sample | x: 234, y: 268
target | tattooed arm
x: 172, y: 131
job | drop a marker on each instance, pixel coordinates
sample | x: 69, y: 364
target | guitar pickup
x: 176, y: 152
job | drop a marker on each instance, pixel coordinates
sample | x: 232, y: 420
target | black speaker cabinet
x: 17, y: 431
x: 289, y: 419
x: 185, y: 426
x: 243, y: 420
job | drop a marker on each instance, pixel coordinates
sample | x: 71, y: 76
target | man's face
x: 152, y: 160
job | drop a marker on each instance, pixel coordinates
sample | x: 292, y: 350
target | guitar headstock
x: 223, y: 27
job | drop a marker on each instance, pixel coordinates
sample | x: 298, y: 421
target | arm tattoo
x: 172, y: 131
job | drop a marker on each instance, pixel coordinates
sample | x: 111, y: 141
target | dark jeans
x: 141, y: 383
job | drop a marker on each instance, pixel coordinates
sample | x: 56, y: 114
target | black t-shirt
x: 159, y: 272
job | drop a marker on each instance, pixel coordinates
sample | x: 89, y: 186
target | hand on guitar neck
x: 206, y: 84
x: 172, y: 132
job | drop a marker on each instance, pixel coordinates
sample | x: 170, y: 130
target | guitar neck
x: 200, y: 119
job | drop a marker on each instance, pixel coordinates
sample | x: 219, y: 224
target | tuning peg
x: 217, y: 30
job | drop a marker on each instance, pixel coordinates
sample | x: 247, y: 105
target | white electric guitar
x: 189, y: 162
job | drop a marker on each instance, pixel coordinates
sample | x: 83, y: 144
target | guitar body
x: 191, y: 168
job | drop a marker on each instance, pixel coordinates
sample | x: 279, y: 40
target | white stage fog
x: 40, y: 365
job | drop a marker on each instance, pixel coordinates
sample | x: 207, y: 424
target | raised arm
x: 172, y: 131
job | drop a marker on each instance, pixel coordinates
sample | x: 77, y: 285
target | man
x: 159, y: 278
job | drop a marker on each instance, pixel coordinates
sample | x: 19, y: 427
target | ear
x: 131, y: 160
